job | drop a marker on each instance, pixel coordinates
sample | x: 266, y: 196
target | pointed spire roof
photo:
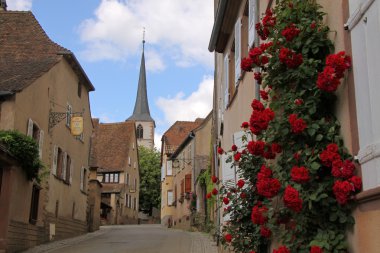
x: 141, y: 111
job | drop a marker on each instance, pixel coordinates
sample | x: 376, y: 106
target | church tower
x: 141, y: 115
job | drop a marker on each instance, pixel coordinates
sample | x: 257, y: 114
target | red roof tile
x: 110, y: 145
x: 177, y: 133
x: 26, y: 52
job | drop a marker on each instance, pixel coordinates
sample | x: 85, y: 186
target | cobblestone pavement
x: 133, y: 239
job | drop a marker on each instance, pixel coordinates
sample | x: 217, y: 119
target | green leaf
x: 311, y: 131
x: 319, y: 137
x: 315, y: 166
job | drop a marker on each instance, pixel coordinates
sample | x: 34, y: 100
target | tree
x: 150, y: 173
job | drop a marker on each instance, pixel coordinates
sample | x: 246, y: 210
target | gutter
x: 217, y: 24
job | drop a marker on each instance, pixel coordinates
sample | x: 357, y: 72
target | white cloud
x: 157, y: 141
x: 198, y: 104
x: 154, y: 61
x: 179, y: 29
x: 19, y: 5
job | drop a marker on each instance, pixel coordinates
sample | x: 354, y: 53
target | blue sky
x: 106, y: 35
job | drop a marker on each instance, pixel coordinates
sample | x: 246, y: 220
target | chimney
x: 3, y: 5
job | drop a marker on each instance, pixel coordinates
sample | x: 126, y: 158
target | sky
x: 106, y: 37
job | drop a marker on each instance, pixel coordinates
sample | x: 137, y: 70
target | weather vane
x: 143, y: 37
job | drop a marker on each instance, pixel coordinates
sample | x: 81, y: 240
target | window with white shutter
x: 30, y: 128
x: 252, y: 13
x: 226, y: 81
x: 64, y: 167
x: 40, y: 143
x: 365, y: 38
x: 169, y: 170
x: 55, y: 160
x: 237, y: 50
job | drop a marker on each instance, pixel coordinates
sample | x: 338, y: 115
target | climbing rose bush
x: 297, y: 180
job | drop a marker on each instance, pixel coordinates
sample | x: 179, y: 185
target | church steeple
x: 141, y: 111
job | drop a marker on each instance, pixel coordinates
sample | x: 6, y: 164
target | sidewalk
x: 202, y: 243
x: 50, y: 246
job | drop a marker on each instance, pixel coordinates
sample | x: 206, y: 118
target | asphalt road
x: 133, y: 239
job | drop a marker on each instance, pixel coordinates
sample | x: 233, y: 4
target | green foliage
x: 322, y: 221
x: 25, y: 150
x: 150, y: 179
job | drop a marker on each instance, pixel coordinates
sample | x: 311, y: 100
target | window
x: 69, y: 111
x: 37, y: 134
x: 83, y: 179
x: 237, y: 50
x: 127, y: 179
x: 129, y: 160
x: 226, y: 81
x: 129, y: 201
x: 139, y: 132
x: 112, y: 177
x: 170, y: 198
x: 33, y: 214
x: 135, y: 184
x: 252, y: 10
x: 68, y: 169
x: 126, y: 200
x: 59, y: 162
x: 134, y: 203
x: 188, y: 183
x: 169, y: 171
x: 79, y: 89
x: 365, y: 54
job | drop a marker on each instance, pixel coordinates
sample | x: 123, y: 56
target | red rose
x: 265, y: 46
x: 268, y: 187
x: 290, y: 32
x: 257, y: 76
x: 296, y: 156
x: 226, y: 201
x: 214, y: 191
x: 265, y: 232
x: 257, y: 105
x: 257, y: 215
x: 208, y: 195
x: 300, y: 174
x: 214, y: 179
x: 290, y: 58
x: 282, y: 249
x: 340, y: 62
x: 332, y: 147
x: 327, y: 80
x: 313, y: 25
x: 264, y: 95
x: 244, y: 125
x: 256, y: 147
x: 276, y: 148
x: 315, y: 249
x: 264, y: 173
x: 246, y: 64
x: 220, y: 151
x: 237, y: 156
x: 292, y: 199
x: 240, y: 183
x: 234, y: 147
x: 228, y: 237
x: 342, y: 191
x: 243, y: 195
x: 357, y: 182
x: 297, y: 124
x: 298, y: 101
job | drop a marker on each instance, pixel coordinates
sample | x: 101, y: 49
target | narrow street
x: 133, y: 239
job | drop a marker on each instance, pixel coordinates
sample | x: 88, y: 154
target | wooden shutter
x: 71, y: 171
x: 55, y: 158
x: 188, y: 183
x: 81, y: 179
x: 226, y: 81
x: 182, y: 187
x: 252, y: 7
x: 40, y: 143
x: 64, y: 164
x: 30, y: 128
x: 237, y: 50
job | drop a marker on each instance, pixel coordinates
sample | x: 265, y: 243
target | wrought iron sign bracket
x: 56, y: 117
